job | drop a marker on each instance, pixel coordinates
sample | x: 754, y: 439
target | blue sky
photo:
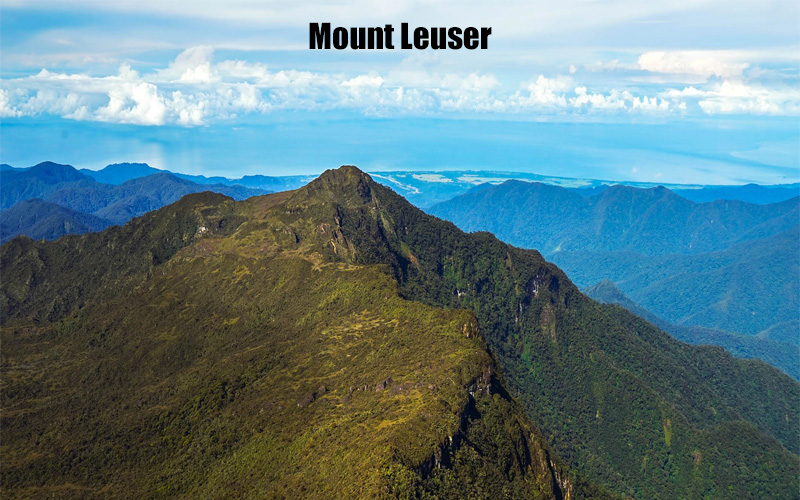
x: 676, y: 91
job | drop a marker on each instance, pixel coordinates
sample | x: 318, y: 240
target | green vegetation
x: 750, y: 287
x: 598, y: 381
x: 205, y: 351
x: 782, y: 355
x: 185, y: 354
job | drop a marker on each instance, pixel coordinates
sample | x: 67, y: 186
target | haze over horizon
x: 705, y: 93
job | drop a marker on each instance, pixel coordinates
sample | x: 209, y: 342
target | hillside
x: 747, y: 288
x: 750, y: 193
x: 117, y: 173
x: 254, y: 306
x: 38, y: 181
x: 780, y: 354
x: 43, y: 220
x: 208, y: 350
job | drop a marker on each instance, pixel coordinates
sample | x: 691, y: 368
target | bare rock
x: 384, y: 384
x: 310, y: 398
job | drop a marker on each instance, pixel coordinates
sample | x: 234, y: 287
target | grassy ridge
x: 245, y: 364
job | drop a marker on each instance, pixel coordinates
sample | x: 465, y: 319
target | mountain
x: 44, y: 220
x: 783, y: 332
x: 117, y: 173
x: 73, y: 191
x: 724, y: 265
x: 337, y: 341
x: 38, y: 181
x: 223, y: 349
x: 748, y: 288
x: 620, y: 218
x: 750, y: 193
x: 780, y: 354
x: 426, y: 188
x: 137, y: 196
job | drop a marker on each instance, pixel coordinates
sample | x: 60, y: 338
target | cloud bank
x: 194, y: 89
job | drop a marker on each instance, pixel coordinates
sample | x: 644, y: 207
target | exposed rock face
x: 383, y: 384
x: 307, y: 400
x: 532, y: 455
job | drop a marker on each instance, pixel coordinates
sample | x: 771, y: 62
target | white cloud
x: 613, y: 101
x: 738, y: 98
x: 194, y: 90
x: 733, y: 97
x: 6, y: 110
x: 193, y: 65
x: 138, y: 103
x: 695, y: 63
x: 546, y: 92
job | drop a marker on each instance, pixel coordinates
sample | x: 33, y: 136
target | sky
x: 676, y: 91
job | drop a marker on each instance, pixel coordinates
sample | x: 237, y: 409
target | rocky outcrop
x: 532, y: 456
x: 383, y: 384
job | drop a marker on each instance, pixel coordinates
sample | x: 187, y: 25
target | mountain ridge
x: 653, y: 221
x: 596, y: 380
x: 427, y: 416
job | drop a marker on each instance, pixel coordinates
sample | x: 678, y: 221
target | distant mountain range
x: 118, y: 173
x: 652, y: 221
x: 337, y: 342
x: 750, y: 287
x: 71, y: 202
x: 426, y: 188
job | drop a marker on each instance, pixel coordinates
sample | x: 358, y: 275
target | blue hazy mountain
x: 44, y: 220
x: 751, y: 287
x: 426, y: 188
x: 652, y: 221
x: 751, y: 193
x: 118, y: 173
x: 62, y: 192
x: 38, y: 181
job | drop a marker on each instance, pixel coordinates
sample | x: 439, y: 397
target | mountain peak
x: 344, y: 175
x: 346, y: 185
x: 117, y: 173
x: 51, y: 172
